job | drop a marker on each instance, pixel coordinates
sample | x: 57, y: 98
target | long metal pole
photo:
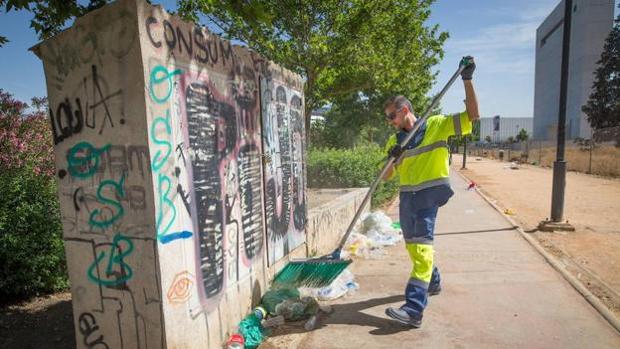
x: 559, y: 166
x: 464, y: 152
x: 391, y: 160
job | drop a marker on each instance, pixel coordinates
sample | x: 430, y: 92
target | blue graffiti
x: 175, y: 236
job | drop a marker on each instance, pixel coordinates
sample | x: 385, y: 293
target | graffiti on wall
x: 285, y: 197
x: 211, y: 121
x: 105, y: 204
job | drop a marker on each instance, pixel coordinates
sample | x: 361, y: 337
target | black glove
x: 396, y: 151
x: 470, y: 66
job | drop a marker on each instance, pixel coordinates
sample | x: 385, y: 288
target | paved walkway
x: 498, y: 292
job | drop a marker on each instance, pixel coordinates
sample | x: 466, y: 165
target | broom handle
x: 391, y: 160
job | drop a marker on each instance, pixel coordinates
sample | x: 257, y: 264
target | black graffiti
x: 185, y: 197
x: 203, y: 128
x: 118, y: 159
x: 249, y: 188
x: 193, y: 42
x: 89, y: 330
x: 69, y: 119
x: 283, y: 122
x: 135, y: 196
x: 297, y: 151
x: 66, y: 122
x: 101, y: 101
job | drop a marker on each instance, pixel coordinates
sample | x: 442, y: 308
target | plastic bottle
x: 260, y: 312
x: 235, y: 342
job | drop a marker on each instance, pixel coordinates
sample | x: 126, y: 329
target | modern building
x: 592, y: 21
x: 500, y: 129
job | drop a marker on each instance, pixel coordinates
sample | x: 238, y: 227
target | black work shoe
x: 403, y: 317
x: 434, y: 291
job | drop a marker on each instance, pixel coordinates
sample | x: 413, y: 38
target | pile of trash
x: 282, y: 304
x: 368, y: 238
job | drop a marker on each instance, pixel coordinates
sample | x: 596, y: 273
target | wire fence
x: 599, y: 155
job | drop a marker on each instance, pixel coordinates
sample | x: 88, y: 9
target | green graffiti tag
x: 158, y: 160
x: 114, y: 257
x: 164, y: 200
x: 83, y: 159
x: 160, y: 75
x: 96, y: 216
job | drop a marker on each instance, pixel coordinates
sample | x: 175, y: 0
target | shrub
x: 350, y: 168
x: 32, y: 259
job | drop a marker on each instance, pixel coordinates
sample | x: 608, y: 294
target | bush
x: 350, y: 168
x: 32, y: 259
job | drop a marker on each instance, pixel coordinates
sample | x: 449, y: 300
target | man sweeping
x: 423, y: 169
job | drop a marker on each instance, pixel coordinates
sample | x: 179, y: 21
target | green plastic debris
x: 275, y: 296
x: 252, y: 331
x: 396, y: 225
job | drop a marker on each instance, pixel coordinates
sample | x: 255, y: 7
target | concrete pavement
x: 498, y: 292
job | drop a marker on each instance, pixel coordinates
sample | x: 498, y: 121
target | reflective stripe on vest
x: 456, y: 119
x: 427, y: 184
x: 423, y: 149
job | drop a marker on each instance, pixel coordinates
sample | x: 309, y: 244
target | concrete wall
x: 592, y: 22
x: 328, y: 221
x: 158, y: 144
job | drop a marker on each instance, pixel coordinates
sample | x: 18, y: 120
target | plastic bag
x: 297, y: 309
x: 342, y: 285
x: 273, y: 297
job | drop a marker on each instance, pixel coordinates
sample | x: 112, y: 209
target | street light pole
x: 559, y: 166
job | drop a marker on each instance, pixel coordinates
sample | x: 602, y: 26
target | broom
x: 320, y: 272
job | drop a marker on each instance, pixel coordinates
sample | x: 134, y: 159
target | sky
x: 500, y: 34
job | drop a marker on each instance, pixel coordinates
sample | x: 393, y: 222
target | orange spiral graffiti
x: 181, y: 286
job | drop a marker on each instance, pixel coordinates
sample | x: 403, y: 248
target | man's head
x: 398, y: 112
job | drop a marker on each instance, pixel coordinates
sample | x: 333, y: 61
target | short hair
x: 398, y: 102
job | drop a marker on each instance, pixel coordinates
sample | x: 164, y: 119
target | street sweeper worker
x: 423, y: 169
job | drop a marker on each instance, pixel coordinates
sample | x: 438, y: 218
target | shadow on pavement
x: 477, y: 231
x: 50, y: 327
x: 352, y: 314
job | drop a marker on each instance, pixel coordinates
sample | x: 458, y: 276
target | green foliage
x: 50, y: 16
x: 31, y: 247
x: 350, y: 168
x: 377, y: 48
x: 603, y: 106
x: 350, y: 122
x: 522, y: 136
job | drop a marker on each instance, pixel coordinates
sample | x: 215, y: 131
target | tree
x: 510, y: 140
x: 487, y: 139
x: 522, y: 136
x: 603, y: 106
x: 31, y: 246
x: 341, y: 48
x: 49, y: 16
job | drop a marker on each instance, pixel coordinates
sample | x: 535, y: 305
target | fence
x: 601, y: 157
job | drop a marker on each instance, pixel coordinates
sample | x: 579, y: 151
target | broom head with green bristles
x: 311, y: 272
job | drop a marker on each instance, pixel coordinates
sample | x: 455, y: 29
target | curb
x: 577, y: 285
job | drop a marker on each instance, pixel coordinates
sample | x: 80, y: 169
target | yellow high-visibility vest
x: 427, y: 165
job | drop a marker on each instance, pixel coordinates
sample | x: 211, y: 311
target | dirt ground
x: 42, y: 322
x: 592, y: 203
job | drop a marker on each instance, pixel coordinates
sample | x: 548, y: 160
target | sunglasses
x: 391, y: 116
